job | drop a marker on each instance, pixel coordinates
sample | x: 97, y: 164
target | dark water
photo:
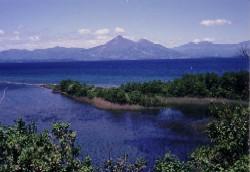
x: 117, y: 72
x: 147, y: 134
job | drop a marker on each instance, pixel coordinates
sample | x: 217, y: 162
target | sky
x: 35, y: 24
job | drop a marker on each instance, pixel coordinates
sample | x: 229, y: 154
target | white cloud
x: 16, y: 32
x: 197, y: 40
x: 35, y: 42
x: 103, y: 37
x: 209, y: 39
x: 23, y: 40
x: 119, y: 30
x: 102, y: 31
x: 215, y: 22
x: 15, y: 38
x: 2, y: 32
x: 34, y: 38
x: 84, y: 31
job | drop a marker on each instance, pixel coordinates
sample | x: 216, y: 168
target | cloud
x: 119, y: 30
x: 84, y: 31
x: 91, y: 38
x: 102, y: 31
x: 34, y: 38
x: 103, y: 37
x: 209, y: 39
x: 215, y: 22
x: 15, y: 38
x: 16, y: 32
x: 2, y: 32
x: 197, y: 40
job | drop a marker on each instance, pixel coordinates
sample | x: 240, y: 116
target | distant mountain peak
x: 119, y: 40
x: 119, y: 37
x: 122, y: 48
x: 205, y: 42
x: 145, y: 41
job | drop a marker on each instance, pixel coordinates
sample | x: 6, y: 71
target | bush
x: 170, y: 163
x: 22, y: 148
x: 229, y: 138
x: 122, y: 165
x: 228, y: 151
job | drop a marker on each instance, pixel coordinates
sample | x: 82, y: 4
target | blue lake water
x: 117, y: 72
x: 147, y: 134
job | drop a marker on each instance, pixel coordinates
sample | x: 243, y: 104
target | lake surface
x: 117, y: 72
x: 147, y: 134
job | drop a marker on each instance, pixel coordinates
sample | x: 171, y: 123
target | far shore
x: 169, y: 101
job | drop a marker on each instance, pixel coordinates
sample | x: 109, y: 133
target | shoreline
x: 168, y: 101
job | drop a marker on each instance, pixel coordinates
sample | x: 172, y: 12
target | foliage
x: 170, y: 163
x: 22, y: 148
x: 122, y: 165
x: 228, y: 151
x: 113, y: 95
x: 233, y: 85
x: 229, y: 138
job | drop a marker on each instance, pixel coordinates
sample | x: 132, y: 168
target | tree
x: 23, y: 149
x: 229, y: 138
x: 244, y: 51
x: 123, y: 165
x: 170, y: 163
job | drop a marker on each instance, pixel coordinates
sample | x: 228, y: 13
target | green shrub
x: 22, y: 148
x: 170, y: 163
x: 229, y: 139
x: 233, y: 85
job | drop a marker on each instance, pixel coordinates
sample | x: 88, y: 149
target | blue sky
x: 31, y: 24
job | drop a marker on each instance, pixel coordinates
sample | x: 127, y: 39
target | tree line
x: 231, y: 85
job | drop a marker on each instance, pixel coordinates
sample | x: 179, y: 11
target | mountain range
x: 120, y: 48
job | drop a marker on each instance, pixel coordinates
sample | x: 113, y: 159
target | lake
x: 109, y: 73
x: 148, y: 134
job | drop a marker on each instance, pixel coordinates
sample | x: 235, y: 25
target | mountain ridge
x: 120, y: 48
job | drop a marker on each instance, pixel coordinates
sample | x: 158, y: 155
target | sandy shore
x: 107, y: 105
x: 104, y: 104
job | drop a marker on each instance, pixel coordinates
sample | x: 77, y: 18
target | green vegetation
x: 228, y: 151
x: 233, y: 85
x: 229, y: 137
x: 23, y: 149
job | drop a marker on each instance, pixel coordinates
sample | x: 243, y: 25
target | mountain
x: 50, y: 54
x: 209, y: 49
x: 118, y: 48
x: 121, y: 48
